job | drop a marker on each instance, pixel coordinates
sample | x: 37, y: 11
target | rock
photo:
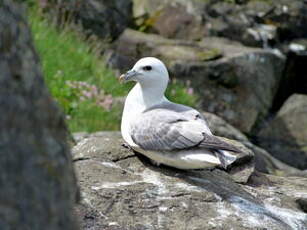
x: 132, y: 45
x: 249, y: 22
x: 220, y: 127
x: 102, y: 18
x: 302, y: 202
x: 294, y: 80
x: 106, y: 143
x: 290, y: 16
x: 38, y: 186
x: 100, y: 144
x: 244, y: 166
x: 230, y: 79
x: 254, y: 23
x: 264, y: 162
x: 121, y: 191
x: 285, y: 136
x: 261, y: 35
x: 171, y: 18
x: 241, y: 22
x: 236, y: 87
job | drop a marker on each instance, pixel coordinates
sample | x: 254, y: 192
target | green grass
x: 67, y: 59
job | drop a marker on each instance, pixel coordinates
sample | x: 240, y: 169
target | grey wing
x: 212, y: 142
x: 164, y: 130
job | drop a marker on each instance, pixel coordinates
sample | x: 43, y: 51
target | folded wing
x: 166, y: 130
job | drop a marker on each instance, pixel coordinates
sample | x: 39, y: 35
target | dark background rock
x: 294, y: 75
x: 252, y: 22
x: 285, y: 136
x: 236, y: 87
x: 102, y: 18
x: 38, y: 186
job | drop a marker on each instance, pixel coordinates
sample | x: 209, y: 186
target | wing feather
x: 164, y: 130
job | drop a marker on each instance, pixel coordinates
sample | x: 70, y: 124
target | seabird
x: 168, y: 133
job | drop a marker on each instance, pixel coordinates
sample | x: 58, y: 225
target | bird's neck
x: 145, y: 96
x: 152, y: 94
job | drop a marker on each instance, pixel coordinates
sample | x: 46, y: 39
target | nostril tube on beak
x: 127, y: 76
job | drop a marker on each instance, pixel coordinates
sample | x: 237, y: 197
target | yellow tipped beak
x: 121, y: 79
x: 127, y: 76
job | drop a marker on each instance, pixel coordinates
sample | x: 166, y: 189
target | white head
x: 149, y: 72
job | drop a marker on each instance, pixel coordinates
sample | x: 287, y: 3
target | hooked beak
x: 128, y: 76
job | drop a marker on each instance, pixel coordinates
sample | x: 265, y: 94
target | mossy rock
x: 210, y: 54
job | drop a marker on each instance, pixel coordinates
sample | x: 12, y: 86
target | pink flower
x: 106, y: 102
x: 190, y: 91
x: 87, y: 94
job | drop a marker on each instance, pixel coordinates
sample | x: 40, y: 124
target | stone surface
x: 38, y: 187
x: 103, y: 18
x: 102, y: 143
x: 286, y: 135
x: 123, y: 191
x: 230, y: 79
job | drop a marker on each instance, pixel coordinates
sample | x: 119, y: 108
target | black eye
x: 147, y: 68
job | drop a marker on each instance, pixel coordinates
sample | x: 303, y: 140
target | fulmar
x: 172, y: 134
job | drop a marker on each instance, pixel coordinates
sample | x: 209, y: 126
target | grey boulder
x: 123, y: 191
x: 285, y: 136
x: 102, y: 18
x: 37, y: 180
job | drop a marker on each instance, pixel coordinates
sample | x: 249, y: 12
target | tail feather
x: 225, y: 157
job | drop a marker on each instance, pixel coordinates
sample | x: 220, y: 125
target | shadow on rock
x: 220, y: 183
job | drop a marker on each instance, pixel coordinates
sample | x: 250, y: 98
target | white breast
x: 134, y: 106
x: 132, y: 109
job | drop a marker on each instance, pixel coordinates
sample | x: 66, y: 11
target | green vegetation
x: 78, y: 79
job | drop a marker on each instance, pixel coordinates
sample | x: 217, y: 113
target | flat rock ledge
x: 122, y: 190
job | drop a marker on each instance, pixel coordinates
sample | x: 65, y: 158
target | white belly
x: 183, y: 159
